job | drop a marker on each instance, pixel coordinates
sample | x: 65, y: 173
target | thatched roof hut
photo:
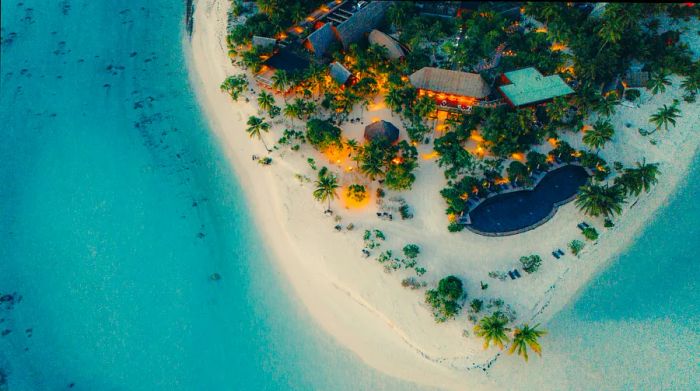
x: 321, y: 40
x: 450, y: 82
x: 395, y: 51
x: 339, y: 73
x: 259, y: 41
x: 381, y: 130
x: 362, y: 22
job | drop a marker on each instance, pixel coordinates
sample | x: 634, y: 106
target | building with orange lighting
x: 451, y: 90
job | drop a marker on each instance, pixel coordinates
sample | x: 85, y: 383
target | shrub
x: 576, y: 246
x: 405, y: 212
x: 322, y: 134
x: 455, y: 227
x: 476, y: 305
x: 608, y: 223
x: 420, y: 271
x: 632, y: 94
x: 443, y: 300
x: 411, y: 250
x: 531, y: 263
x: 356, y: 192
x: 590, y: 233
x: 411, y: 282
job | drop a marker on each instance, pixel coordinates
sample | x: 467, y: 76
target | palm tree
x: 610, y: 31
x: 601, y: 133
x: 606, y: 105
x: 255, y: 127
x: 634, y: 180
x: 326, y: 186
x: 266, y: 101
x: 691, y: 83
x: 664, y: 116
x: 658, y: 82
x: 525, y: 336
x: 556, y: 110
x: 493, y: 329
x: 394, y: 99
x: 292, y: 111
x: 280, y: 82
x: 596, y: 200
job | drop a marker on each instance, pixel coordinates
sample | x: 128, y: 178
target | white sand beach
x: 366, y: 309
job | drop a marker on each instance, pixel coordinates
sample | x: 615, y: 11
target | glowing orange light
x: 324, y: 8
x: 464, y: 196
x: 542, y: 29
x: 558, y: 47
x: 518, y: 156
x: 476, y: 137
x: 397, y: 160
x: 550, y: 159
x: 310, y: 18
x: 553, y: 142
x: 430, y: 156
x: 298, y: 29
x: 576, y: 154
x: 451, y: 217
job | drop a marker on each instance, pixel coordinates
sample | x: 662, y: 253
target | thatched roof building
x: 395, y: 51
x: 321, y: 40
x: 259, y: 41
x: 362, y: 22
x: 445, y: 81
x: 381, y: 130
x: 288, y: 59
x: 339, y: 73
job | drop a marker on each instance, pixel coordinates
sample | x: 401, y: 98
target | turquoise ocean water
x: 116, y: 206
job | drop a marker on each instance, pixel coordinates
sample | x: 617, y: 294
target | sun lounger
x: 561, y: 252
x: 580, y: 226
x: 512, y: 277
x: 555, y: 254
x: 516, y: 273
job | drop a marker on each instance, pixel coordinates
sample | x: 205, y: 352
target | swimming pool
x: 518, y: 211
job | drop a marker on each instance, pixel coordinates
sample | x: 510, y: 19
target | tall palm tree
x: 691, y: 83
x: 666, y: 115
x: 493, y: 329
x: 610, y: 31
x: 394, y: 99
x: 255, y: 128
x: 601, y: 133
x: 658, y: 82
x: 265, y: 101
x: 280, y: 82
x: 292, y: 111
x: 326, y: 186
x: 606, y: 105
x: 596, y: 200
x: 643, y: 177
x: 524, y: 337
x: 556, y: 110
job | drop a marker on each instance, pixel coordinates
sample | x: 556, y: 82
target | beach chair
x: 516, y: 273
x: 555, y: 254
x: 512, y: 276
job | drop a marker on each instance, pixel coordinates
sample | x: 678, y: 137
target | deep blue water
x: 116, y: 207
x: 521, y: 209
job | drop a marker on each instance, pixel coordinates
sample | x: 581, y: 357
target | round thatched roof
x: 382, y: 129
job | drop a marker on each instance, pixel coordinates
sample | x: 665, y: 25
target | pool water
x: 512, y: 212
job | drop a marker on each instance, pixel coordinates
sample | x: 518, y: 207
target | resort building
x: 392, y: 46
x: 528, y: 86
x: 339, y: 73
x: 288, y: 59
x: 382, y: 130
x: 344, y: 23
x: 263, y: 42
x: 452, y: 90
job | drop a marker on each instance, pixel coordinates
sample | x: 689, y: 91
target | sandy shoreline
x: 367, y: 310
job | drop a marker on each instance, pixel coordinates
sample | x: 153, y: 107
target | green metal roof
x: 530, y: 86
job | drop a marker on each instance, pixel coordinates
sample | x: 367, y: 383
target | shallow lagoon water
x: 116, y: 207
